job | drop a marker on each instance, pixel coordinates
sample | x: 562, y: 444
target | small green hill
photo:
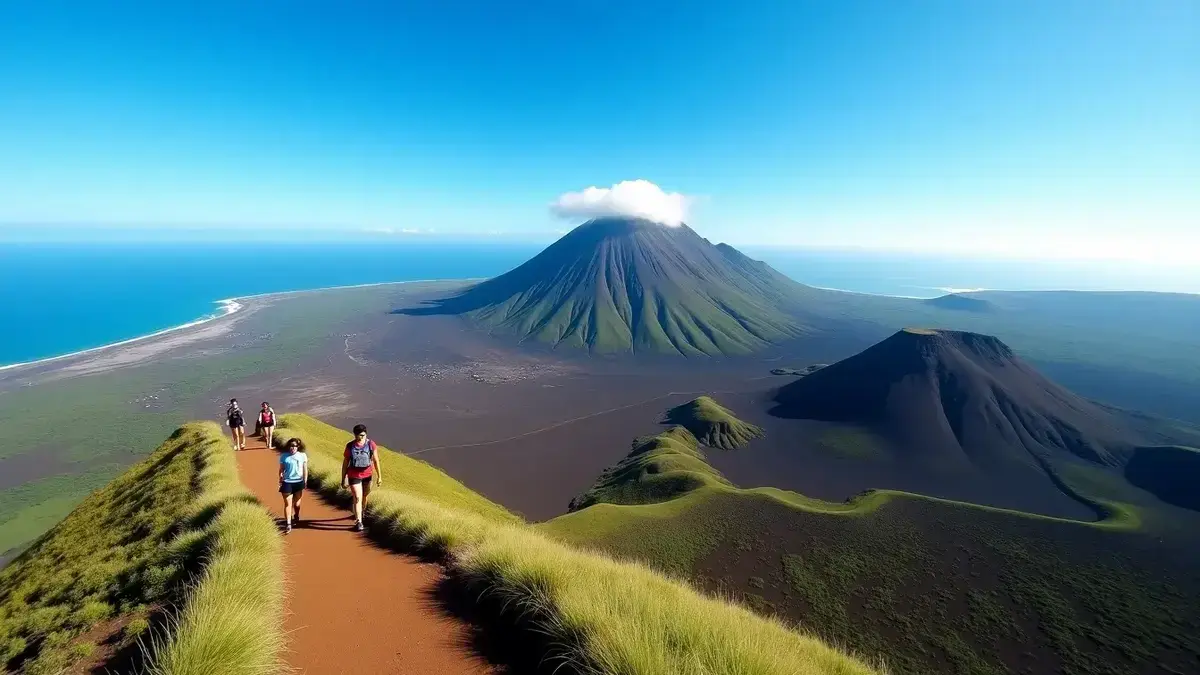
x: 713, y: 424
x: 659, y: 468
x: 155, y: 537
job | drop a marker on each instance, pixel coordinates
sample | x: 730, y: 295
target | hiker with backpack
x: 237, y: 424
x: 293, y: 476
x: 359, y: 465
x: 266, y: 422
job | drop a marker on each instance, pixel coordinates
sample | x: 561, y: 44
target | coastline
x: 226, y: 307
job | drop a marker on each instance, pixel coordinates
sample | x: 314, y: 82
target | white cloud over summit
x: 632, y: 198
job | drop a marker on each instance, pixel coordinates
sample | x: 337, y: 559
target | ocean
x: 58, y: 298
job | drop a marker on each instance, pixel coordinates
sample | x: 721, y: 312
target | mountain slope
x: 959, y: 398
x: 630, y: 285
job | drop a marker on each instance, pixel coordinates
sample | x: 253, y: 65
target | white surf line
x: 565, y: 422
x: 228, y: 306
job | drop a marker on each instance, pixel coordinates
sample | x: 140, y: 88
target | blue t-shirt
x: 293, y: 466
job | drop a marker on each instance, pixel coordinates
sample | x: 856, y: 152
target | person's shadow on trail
x: 323, y: 524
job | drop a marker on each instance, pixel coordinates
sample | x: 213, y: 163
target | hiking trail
x: 352, y: 606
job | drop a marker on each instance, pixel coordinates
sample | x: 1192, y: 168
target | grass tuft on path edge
x: 142, y: 556
x: 230, y: 620
x: 599, y: 616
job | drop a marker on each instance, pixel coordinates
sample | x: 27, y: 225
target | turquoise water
x: 61, y: 298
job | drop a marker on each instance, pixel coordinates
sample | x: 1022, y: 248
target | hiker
x: 237, y: 424
x: 359, y: 465
x: 266, y: 422
x: 293, y: 476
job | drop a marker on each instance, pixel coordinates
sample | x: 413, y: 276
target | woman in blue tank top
x: 293, y: 476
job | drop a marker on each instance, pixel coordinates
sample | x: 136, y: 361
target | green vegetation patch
x: 127, y: 547
x: 852, y: 443
x: 229, y: 622
x: 713, y: 424
x: 659, y: 468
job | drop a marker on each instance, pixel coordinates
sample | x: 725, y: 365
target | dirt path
x: 352, y: 606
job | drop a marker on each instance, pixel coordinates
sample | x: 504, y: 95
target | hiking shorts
x: 296, y: 488
x: 236, y: 425
x: 366, y: 480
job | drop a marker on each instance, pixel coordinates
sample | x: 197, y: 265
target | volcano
x: 633, y: 285
x: 955, y: 398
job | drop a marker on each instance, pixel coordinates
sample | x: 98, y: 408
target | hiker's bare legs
x: 239, y: 435
x: 287, y: 509
x: 366, y: 492
x: 267, y: 433
x: 356, y: 494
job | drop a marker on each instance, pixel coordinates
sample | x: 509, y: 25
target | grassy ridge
x: 670, y: 465
x: 659, y: 468
x: 128, y: 548
x: 602, y: 616
x: 230, y: 620
x: 932, y: 586
x: 935, y: 585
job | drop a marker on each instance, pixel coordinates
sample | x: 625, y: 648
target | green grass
x: 928, y: 584
x: 229, y: 622
x: 713, y: 424
x: 852, y: 443
x: 402, y: 473
x: 668, y: 465
x: 131, y: 545
x: 601, y: 616
x: 659, y: 468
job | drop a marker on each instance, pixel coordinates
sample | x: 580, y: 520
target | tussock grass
x: 134, y: 545
x: 229, y: 622
x: 600, y: 615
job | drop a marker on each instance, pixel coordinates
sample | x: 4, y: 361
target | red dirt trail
x: 352, y: 606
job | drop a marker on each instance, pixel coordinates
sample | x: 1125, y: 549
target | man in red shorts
x: 360, y: 464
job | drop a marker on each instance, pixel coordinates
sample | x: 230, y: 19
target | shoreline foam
x: 227, y: 307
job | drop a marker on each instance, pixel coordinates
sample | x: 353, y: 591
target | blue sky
x: 1028, y: 128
